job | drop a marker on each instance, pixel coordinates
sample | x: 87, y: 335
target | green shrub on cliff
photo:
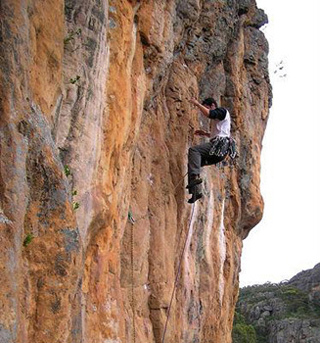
x: 292, y: 301
x: 28, y: 239
x: 242, y: 332
x: 297, y: 303
x: 296, y: 300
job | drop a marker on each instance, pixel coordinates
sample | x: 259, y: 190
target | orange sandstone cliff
x: 95, y: 125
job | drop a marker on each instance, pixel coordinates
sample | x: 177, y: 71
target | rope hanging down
x: 133, y: 221
x: 132, y: 285
x: 177, y: 274
x: 180, y: 181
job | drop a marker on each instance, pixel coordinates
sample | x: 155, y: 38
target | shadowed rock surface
x: 95, y: 124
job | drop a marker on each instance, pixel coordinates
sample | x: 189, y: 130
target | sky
x: 287, y: 240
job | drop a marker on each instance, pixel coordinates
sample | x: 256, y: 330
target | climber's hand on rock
x: 201, y: 133
x: 194, y: 101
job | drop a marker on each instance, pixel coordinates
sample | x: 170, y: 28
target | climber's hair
x: 209, y: 102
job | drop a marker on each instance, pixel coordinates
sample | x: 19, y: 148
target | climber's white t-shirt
x: 221, y: 122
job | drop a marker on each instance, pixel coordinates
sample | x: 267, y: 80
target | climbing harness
x: 233, y: 152
x: 177, y: 275
x: 222, y: 146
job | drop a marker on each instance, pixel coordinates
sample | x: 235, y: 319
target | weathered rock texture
x: 95, y: 123
x: 288, y: 312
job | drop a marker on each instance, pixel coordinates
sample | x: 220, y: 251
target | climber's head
x: 210, y: 103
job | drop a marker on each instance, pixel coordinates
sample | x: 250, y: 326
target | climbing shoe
x: 195, y: 197
x: 194, y: 182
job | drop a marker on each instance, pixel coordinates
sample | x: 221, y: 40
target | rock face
x: 95, y: 124
x: 280, y: 313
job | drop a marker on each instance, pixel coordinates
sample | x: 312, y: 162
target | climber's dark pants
x: 198, y: 157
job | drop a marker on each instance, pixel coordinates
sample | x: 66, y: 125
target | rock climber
x: 212, y: 152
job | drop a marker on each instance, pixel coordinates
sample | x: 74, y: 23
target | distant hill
x: 288, y: 312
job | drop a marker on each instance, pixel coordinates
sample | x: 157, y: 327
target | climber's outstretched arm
x: 204, y: 110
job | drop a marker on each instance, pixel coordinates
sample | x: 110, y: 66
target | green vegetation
x: 242, y: 332
x: 73, y: 81
x: 28, y: 239
x: 269, y: 303
x: 67, y: 171
x: 75, y: 205
x: 298, y: 303
x: 295, y: 303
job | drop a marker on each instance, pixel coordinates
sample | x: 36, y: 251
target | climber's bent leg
x: 211, y: 160
x: 195, y: 156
